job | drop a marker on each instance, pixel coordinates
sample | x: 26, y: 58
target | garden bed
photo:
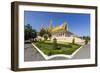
x: 65, y: 48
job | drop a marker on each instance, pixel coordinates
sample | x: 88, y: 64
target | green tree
x: 42, y: 32
x: 86, y: 37
x: 49, y: 35
x: 34, y: 34
x: 29, y: 32
x: 86, y: 41
x: 45, y: 36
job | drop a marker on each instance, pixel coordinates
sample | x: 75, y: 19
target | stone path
x: 31, y: 54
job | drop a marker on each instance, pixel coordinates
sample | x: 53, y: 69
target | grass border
x: 57, y: 55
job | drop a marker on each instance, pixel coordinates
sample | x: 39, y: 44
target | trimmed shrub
x: 55, y: 43
x: 86, y: 41
x: 58, y: 47
x: 73, y: 41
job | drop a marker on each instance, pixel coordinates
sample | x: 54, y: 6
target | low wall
x: 70, y: 39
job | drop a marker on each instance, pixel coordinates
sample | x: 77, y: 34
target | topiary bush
x: 86, y: 41
x: 73, y: 41
x: 58, y: 47
x: 55, y: 43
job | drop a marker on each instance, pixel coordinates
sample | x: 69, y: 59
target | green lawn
x: 65, y: 48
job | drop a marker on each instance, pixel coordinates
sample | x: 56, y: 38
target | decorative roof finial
x: 66, y: 25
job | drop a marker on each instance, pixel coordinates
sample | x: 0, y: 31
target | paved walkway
x: 83, y: 53
x: 31, y: 54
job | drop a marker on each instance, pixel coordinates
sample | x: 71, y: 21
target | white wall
x: 5, y: 40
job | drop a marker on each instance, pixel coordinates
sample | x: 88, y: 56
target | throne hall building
x: 61, y: 33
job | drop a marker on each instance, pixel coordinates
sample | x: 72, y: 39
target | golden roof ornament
x: 62, y: 27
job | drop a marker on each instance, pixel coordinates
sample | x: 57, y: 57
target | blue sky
x: 78, y: 23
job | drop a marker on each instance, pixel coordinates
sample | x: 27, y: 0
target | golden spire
x: 50, y: 26
x: 65, y: 25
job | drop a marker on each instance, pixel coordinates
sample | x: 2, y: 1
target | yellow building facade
x: 62, y: 34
